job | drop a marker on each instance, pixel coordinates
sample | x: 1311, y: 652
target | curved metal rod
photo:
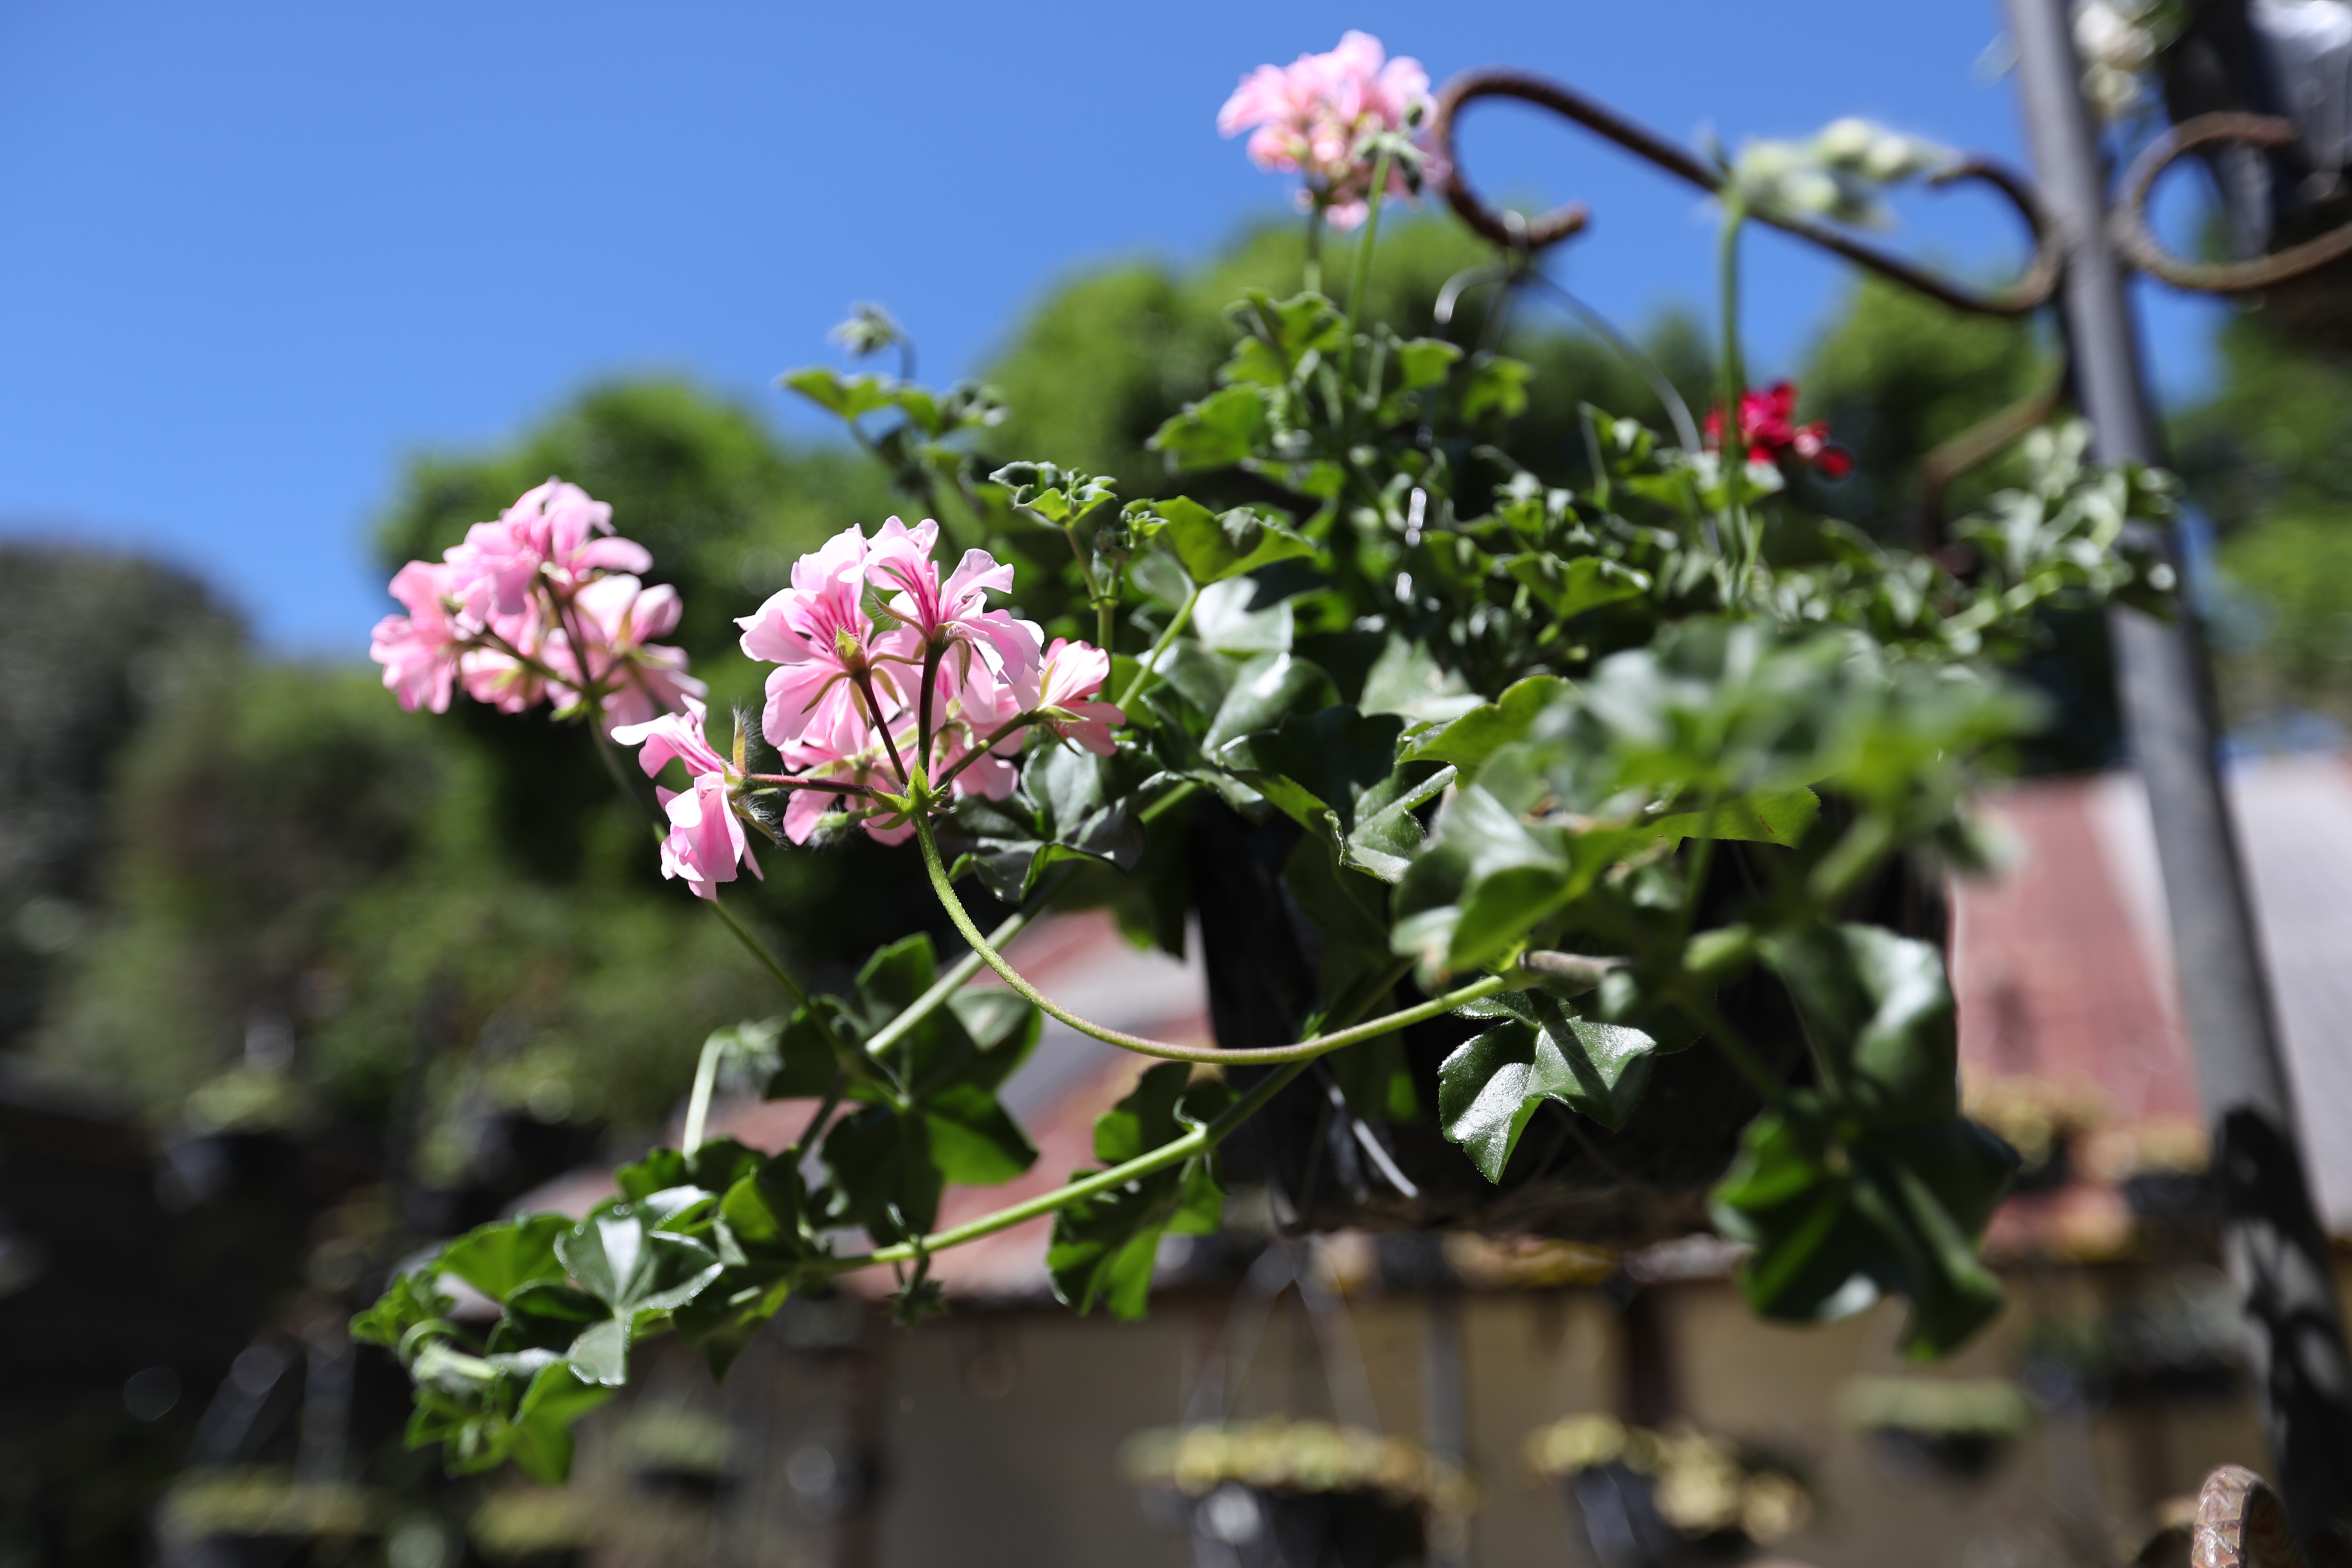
x: 2241, y: 1523
x: 2145, y: 251
x: 2031, y: 289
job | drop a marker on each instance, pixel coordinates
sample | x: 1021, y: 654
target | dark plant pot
x: 1569, y: 1178
x: 1612, y: 1510
x: 1238, y: 1526
x: 1950, y: 1455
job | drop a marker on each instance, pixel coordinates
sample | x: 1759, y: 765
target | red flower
x: 1769, y: 428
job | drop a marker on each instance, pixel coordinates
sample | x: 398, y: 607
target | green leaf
x: 1882, y: 1013
x: 1408, y: 680
x: 541, y: 1443
x: 1478, y: 734
x: 1268, y: 689
x: 1837, y: 1222
x: 1388, y: 833
x: 1423, y: 362
x: 638, y: 1272
x: 1299, y: 330
x: 1495, y: 385
x: 1103, y: 1246
x: 846, y: 395
x: 1569, y: 588
x: 498, y: 1258
x: 805, y: 1063
x: 1491, y: 1085
x: 409, y: 1300
x: 1217, y: 432
x: 1214, y: 546
x: 1311, y: 763
x: 1224, y: 620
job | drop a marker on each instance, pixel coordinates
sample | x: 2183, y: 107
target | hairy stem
x: 1167, y: 1050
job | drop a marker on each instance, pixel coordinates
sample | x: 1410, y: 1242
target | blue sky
x: 256, y: 254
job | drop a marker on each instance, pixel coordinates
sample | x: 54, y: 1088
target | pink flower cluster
x: 1317, y: 116
x: 873, y: 650
x: 542, y: 604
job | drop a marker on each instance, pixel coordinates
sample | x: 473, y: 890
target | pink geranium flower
x: 819, y: 635
x: 616, y: 614
x: 556, y: 525
x: 1073, y: 673
x: 706, y: 842
x: 420, y: 650
x: 1316, y: 116
x: 678, y: 735
x: 951, y: 616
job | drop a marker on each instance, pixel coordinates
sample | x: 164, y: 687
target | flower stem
x: 1363, y: 268
x: 1313, y: 279
x: 1150, y: 664
x: 698, y: 1104
x: 1304, y: 1050
x: 941, y: 783
x: 865, y: 682
x: 1732, y: 447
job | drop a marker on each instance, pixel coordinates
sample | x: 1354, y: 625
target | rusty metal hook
x: 2145, y: 251
x: 2030, y: 291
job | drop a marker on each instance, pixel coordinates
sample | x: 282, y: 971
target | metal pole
x: 2271, y: 1239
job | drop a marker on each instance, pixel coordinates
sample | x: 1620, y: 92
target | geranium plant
x: 1518, y: 732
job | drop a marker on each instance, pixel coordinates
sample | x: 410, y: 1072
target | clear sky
x: 256, y: 252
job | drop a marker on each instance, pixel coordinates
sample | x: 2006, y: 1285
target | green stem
x: 1363, y: 268
x: 1200, y: 1140
x: 1314, y: 272
x: 1304, y: 1050
x: 698, y: 1104
x: 1168, y: 802
x: 1150, y: 664
x: 825, y: 1110
x: 1733, y: 446
x: 939, y: 786
x: 958, y: 975
x: 751, y: 944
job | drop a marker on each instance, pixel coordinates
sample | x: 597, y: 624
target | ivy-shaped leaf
x: 1217, y: 432
x: 638, y: 1272
x: 1214, y: 546
x: 499, y: 1258
x: 1538, y: 1050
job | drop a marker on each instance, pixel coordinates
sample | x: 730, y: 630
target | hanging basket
x: 1644, y: 1497
x: 1570, y: 1178
x: 1297, y: 1494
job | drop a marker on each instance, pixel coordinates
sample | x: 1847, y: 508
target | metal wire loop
x: 2033, y: 288
x: 2143, y: 250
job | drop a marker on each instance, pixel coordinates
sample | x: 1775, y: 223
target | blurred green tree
x: 92, y: 643
x: 2268, y: 457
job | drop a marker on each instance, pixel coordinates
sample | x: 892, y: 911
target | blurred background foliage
x: 242, y: 896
